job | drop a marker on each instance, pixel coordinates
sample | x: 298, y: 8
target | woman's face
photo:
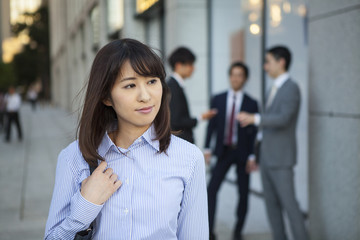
x: 135, y: 99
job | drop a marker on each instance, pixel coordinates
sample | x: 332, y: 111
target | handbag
x: 86, y: 234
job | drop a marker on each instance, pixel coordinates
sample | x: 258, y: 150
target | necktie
x: 271, y: 96
x: 231, y: 123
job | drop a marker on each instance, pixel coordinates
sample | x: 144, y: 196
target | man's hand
x: 209, y: 114
x: 245, y: 118
x: 251, y: 166
x: 100, y: 185
x: 207, y: 156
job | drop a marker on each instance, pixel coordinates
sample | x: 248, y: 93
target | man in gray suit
x: 278, y: 146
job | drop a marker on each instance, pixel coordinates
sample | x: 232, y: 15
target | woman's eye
x: 152, y: 81
x: 130, y: 86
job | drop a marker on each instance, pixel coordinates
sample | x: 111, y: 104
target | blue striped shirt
x: 163, y: 196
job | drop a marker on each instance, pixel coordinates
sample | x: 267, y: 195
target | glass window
x: 115, y: 15
x: 95, y: 26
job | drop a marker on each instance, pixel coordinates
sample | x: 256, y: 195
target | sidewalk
x: 27, y: 177
x: 27, y: 171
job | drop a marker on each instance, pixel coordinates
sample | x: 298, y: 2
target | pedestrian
x: 32, y: 96
x: 278, y: 147
x: 148, y: 184
x: 2, y: 111
x: 13, y: 104
x: 182, y: 61
x: 234, y: 145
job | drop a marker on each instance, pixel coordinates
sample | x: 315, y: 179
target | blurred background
x: 48, y: 46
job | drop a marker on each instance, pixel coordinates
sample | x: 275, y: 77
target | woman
x: 148, y: 184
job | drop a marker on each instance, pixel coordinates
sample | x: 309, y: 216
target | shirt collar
x: 105, y: 145
x: 280, y: 80
x: 149, y: 136
x: 179, y: 79
x: 233, y: 93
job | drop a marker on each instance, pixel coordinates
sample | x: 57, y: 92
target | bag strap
x: 92, y: 168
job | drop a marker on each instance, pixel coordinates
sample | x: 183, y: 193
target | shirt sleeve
x: 257, y: 119
x: 193, y: 217
x: 69, y: 212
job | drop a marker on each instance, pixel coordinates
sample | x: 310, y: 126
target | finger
x: 114, y: 177
x: 102, y: 166
x: 108, y: 172
x: 117, y: 184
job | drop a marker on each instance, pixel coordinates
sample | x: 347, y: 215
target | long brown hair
x: 96, y: 117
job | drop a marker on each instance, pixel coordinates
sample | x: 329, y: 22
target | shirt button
x: 126, y: 211
x: 127, y: 181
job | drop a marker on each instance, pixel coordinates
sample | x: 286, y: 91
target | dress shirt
x: 239, y: 96
x: 179, y: 79
x: 163, y: 196
x: 278, y: 82
x: 13, y: 102
x: 229, y: 104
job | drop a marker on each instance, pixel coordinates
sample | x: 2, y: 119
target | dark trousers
x: 33, y: 104
x: 2, y: 120
x: 13, y: 117
x: 222, y: 166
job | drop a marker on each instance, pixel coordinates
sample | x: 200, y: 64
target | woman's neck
x: 123, y: 137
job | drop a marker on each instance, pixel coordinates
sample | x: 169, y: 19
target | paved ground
x: 27, y: 177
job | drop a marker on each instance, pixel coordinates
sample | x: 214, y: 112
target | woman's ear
x: 107, y: 102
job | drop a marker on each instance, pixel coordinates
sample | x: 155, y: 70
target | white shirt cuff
x: 251, y: 157
x: 207, y: 150
x: 257, y: 119
x: 82, y: 210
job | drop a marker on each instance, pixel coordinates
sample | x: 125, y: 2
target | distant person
x: 182, y: 61
x: 2, y: 111
x: 278, y: 147
x: 32, y: 96
x: 148, y: 184
x: 13, y: 104
x: 234, y: 145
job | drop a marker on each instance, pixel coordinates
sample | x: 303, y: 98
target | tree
x: 34, y: 62
x: 7, y: 77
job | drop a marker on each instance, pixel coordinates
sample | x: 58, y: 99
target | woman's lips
x: 145, y: 110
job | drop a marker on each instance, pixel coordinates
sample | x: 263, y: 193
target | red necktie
x: 231, y: 123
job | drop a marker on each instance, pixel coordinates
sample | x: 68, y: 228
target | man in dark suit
x: 278, y: 146
x: 233, y: 144
x: 182, y: 63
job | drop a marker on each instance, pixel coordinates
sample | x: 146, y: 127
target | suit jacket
x: 216, y: 126
x: 278, y: 122
x: 179, y: 110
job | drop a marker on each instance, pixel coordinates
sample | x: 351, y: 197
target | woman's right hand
x: 100, y: 185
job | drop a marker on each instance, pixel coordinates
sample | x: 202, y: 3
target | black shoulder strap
x: 92, y: 168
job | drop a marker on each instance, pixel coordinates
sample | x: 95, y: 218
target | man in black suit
x: 233, y: 144
x: 182, y: 63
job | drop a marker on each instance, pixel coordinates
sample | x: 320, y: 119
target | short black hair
x: 182, y: 55
x: 242, y: 65
x: 281, y: 52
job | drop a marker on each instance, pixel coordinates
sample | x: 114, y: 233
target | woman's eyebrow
x: 128, y: 79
